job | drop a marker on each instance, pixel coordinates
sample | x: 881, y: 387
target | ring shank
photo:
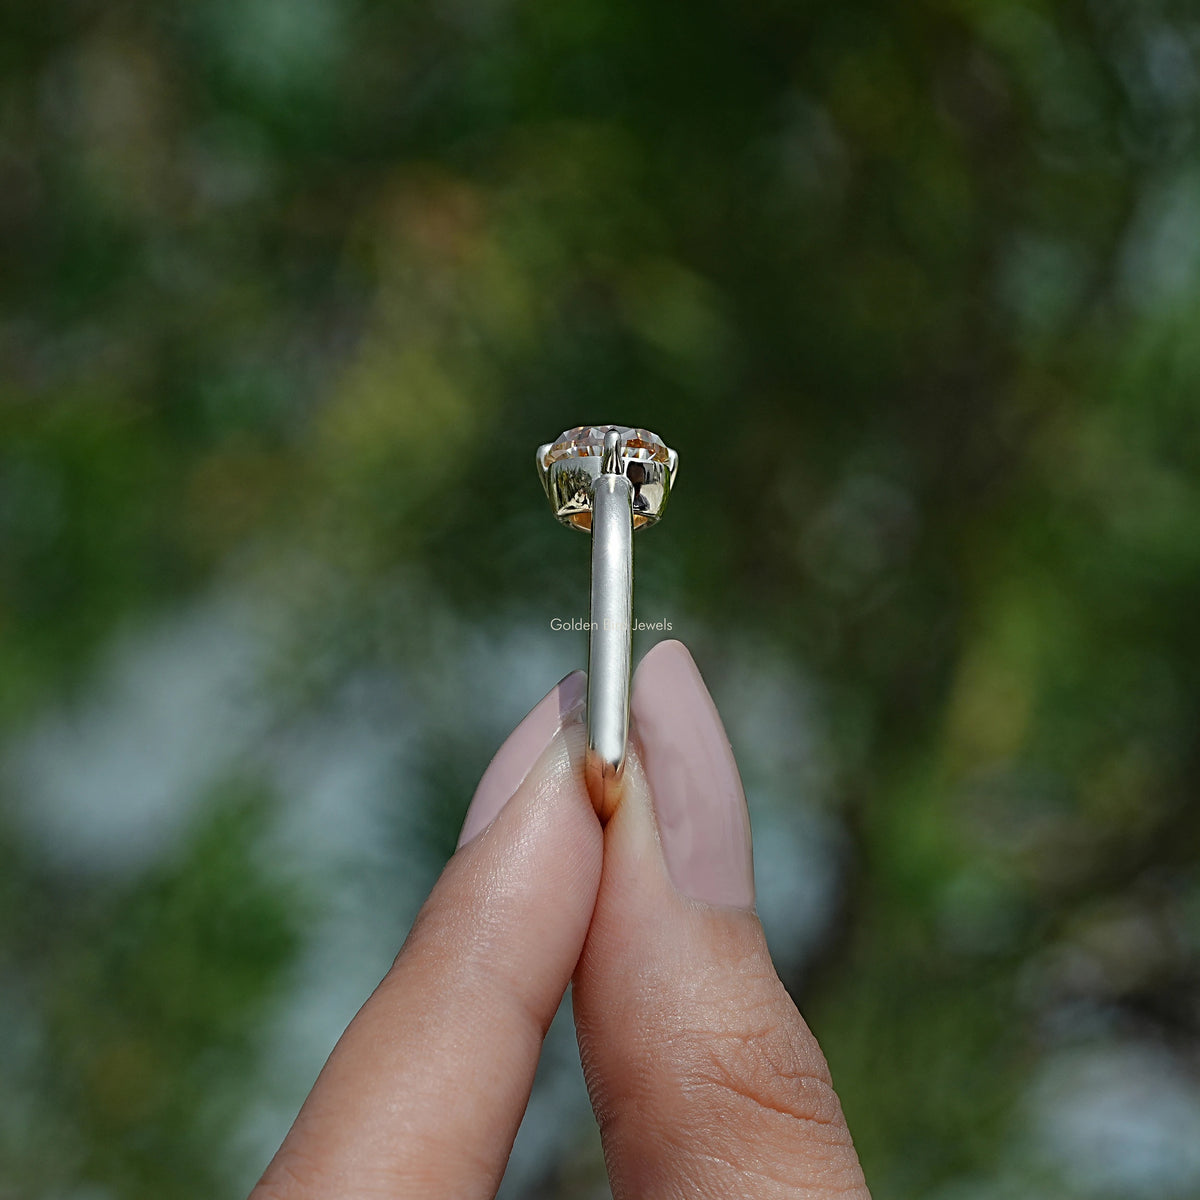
x: 611, y: 622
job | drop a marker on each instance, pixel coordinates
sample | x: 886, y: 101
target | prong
x: 672, y: 464
x: 542, y: 470
x: 610, y: 459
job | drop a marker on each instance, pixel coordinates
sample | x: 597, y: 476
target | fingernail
x: 514, y: 760
x: 699, y: 804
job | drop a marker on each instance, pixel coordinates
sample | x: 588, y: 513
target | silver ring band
x: 611, y: 621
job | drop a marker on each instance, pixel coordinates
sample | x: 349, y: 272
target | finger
x: 704, y: 1077
x: 424, y: 1092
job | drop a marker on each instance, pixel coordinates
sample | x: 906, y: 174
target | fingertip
x: 698, y: 801
x: 667, y: 647
x: 521, y: 750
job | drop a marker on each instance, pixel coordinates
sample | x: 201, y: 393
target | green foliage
x: 146, y: 996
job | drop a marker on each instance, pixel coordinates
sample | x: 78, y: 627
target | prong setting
x: 542, y: 469
x: 570, y: 467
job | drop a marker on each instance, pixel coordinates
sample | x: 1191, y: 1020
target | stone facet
x: 637, y: 445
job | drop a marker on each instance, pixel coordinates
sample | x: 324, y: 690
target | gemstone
x: 637, y: 445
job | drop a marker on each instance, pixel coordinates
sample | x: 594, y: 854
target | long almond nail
x: 698, y: 799
x: 524, y: 746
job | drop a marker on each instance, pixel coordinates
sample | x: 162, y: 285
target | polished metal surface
x: 611, y: 621
x: 569, y: 483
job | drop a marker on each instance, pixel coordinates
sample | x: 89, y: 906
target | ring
x: 611, y: 480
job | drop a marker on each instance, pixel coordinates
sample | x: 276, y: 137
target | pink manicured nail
x: 698, y: 797
x: 525, y: 745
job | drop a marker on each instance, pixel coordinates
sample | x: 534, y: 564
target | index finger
x: 423, y: 1094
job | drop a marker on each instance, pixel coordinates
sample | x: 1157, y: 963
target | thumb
x: 705, y: 1079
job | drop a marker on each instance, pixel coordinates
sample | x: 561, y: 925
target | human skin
x: 705, y: 1080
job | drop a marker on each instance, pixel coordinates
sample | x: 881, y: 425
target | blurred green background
x: 289, y: 292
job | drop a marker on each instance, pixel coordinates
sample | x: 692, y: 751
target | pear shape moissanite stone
x: 637, y: 445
